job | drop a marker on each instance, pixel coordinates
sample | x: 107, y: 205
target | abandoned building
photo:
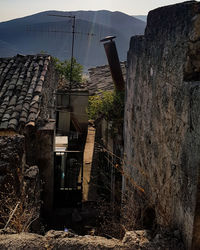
x: 45, y: 124
x: 155, y: 150
x: 27, y: 118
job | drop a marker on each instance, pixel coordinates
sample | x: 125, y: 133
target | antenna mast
x: 72, y: 55
x: 72, y: 52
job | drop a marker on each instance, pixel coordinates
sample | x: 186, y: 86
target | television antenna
x: 72, y: 49
x: 73, y: 41
x: 73, y: 32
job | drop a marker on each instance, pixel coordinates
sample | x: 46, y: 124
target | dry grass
x: 108, y: 221
x: 17, y: 211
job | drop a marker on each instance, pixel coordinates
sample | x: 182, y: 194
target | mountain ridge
x: 40, y: 32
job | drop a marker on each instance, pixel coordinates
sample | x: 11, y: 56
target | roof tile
x: 21, y: 85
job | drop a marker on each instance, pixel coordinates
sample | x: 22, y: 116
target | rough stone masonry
x: 162, y: 119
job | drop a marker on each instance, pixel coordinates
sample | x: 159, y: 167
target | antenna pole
x: 72, y: 54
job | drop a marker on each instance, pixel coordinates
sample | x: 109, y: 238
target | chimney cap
x: 108, y: 38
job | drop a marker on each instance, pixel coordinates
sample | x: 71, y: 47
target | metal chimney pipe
x: 114, y: 63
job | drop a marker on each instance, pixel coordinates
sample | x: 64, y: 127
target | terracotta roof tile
x: 21, y: 84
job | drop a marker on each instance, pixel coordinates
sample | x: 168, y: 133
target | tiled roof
x: 101, y: 79
x: 21, y: 84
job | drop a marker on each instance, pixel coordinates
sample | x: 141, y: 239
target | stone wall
x: 40, y: 152
x: 162, y: 118
x: 45, y: 160
x: 66, y: 240
x: 12, y: 159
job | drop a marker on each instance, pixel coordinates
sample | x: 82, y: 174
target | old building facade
x: 27, y: 113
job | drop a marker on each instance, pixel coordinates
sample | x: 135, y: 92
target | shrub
x: 64, y: 69
x: 108, y: 105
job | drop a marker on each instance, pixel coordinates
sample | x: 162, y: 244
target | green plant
x: 64, y: 69
x: 108, y: 105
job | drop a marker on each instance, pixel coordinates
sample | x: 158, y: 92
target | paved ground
x: 89, y: 189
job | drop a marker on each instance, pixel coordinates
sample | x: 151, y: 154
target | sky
x: 10, y: 9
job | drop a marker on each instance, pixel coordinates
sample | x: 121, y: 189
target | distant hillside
x: 7, y: 49
x: 41, y: 32
x: 141, y: 17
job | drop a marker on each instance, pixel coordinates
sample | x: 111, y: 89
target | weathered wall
x: 162, y: 115
x: 63, y: 126
x: 45, y: 161
x: 79, y: 104
x: 77, y: 110
x: 12, y: 159
x: 40, y: 152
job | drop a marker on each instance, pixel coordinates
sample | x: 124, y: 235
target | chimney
x: 113, y: 61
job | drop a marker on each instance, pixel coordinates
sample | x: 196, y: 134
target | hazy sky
x: 10, y: 9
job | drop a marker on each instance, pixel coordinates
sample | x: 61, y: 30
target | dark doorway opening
x: 68, y: 179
